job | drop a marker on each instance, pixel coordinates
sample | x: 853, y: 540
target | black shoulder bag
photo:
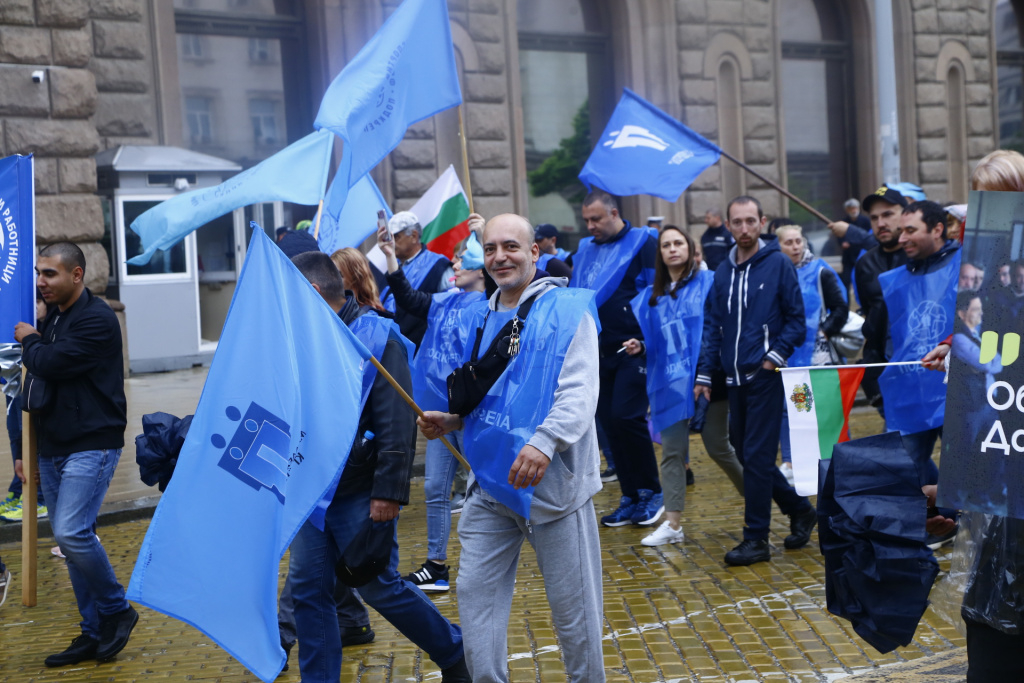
x: 468, y: 384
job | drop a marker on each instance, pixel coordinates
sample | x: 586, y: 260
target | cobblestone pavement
x: 674, y: 613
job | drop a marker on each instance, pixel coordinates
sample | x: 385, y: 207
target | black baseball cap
x: 544, y: 230
x: 885, y: 194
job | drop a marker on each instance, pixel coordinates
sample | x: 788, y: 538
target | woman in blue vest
x: 439, y: 352
x: 826, y: 309
x: 671, y: 316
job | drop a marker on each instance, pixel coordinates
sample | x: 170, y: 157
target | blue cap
x: 910, y: 191
x: 473, y: 255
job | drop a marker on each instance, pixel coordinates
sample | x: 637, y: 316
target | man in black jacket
x: 374, y: 484
x: 80, y: 429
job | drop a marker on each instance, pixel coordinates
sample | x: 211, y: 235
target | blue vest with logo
x: 416, y: 272
x: 443, y: 347
x: 600, y: 267
x: 809, y: 276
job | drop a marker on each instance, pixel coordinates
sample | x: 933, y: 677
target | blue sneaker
x: 622, y: 516
x: 649, y: 508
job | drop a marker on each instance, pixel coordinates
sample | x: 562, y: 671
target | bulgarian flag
x: 444, y: 214
x: 818, y: 402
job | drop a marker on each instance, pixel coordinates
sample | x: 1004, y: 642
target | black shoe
x: 800, y: 527
x: 82, y: 648
x: 609, y: 475
x: 357, y: 635
x: 749, y: 552
x: 114, y: 633
x: 689, y: 478
x: 456, y: 673
x: 431, y: 577
x: 288, y: 653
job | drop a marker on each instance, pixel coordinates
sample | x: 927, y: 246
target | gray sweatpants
x: 569, y: 556
x: 716, y: 443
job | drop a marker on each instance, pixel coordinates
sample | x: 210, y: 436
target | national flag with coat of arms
x: 818, y: 403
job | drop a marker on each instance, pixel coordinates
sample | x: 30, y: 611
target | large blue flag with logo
x: 17, y: 245
x: 297, y: 174
x: 269, y: 438
x: 404, y: 74
x: 357, y: 219
x: 643, y: 150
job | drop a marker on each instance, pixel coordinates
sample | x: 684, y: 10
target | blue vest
x: 416, y: 272
x: 600, y: 267
x: 809, y: 276
x: 921, y: 311
x: 672, y: 333
x: 443, y: 347
x: 522, y: 397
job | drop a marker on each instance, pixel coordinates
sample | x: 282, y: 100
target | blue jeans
x: 74, y: 486
x: 437, y: 486
x: 313, y: 556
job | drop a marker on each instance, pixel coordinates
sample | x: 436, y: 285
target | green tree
x: 560, y: 171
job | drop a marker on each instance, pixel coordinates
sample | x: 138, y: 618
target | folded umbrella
x: 157, y: 448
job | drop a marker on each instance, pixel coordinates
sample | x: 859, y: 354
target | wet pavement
x: 673, y: 613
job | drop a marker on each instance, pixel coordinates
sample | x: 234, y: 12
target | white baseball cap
x: 403, y: 220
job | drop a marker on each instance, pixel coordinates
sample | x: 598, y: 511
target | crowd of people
x: 500, y: 347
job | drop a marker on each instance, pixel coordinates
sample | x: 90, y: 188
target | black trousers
x: 993, y: 656
x: 622, y: 411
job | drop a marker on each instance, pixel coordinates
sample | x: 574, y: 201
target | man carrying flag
x: 531, y: 441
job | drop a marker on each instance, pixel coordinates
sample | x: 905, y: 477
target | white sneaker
x: 664, y: 534
x: 787, y: 471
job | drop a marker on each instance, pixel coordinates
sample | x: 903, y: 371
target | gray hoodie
x: 567, y: 435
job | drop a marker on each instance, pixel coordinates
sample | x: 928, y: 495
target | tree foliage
x: 560, y: 171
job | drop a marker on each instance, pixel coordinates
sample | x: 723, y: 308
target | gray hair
x: 850, y: 203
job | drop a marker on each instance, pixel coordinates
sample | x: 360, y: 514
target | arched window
x: 1010, y: 72
x: 566, y: 90
x: 956, y: 133
x: 730, y: 127
x: 816, y: 104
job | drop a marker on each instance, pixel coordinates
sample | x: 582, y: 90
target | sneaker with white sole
x: 10, y: 501
x: 664, y: 534
x: 649, y: 507
x: 429, y: 578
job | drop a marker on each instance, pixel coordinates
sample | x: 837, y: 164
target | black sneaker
x: 609, y: 475
x: 82, y: 648
x: 800, y: 527
x: 456, y: 673
x: 287, y: 647
x: 357, y: 635
x: 114, y: 633
x: 430, y: 577
x: 748, y: 552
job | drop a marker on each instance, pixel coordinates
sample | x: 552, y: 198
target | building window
x: 191, y: 46
x: 956, y: 134
x: 259, y: 50
x: 263, y: 114
x: 1010, y: 73
x: 199, y: 121
x: 816, y: 107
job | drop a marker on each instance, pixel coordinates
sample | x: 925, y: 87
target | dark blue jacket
x: 755, y: 312
x: 617, y: 320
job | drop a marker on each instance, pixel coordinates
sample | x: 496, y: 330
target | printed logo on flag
x: 802, y: 398
x: 635, y: 136
x: 385, y: 104
x: 258, y: 454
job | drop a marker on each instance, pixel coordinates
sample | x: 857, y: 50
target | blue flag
x: 17, y: 245
x: 404, y: 74
x: 270, y: 436
x: 643, y: 150
x: 297, y: 174
x: 357, y: 218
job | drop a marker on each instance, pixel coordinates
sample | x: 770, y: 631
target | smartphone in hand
x: 382, y: 223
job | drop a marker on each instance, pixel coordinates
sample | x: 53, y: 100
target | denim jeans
x: 351, y: 612
x: 75, y: 485
x: 313, y: 556
x: 437, y: 486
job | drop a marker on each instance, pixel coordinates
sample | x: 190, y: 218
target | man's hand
x: 839, y: 228
x: 936, y: 525
x: 934, y: 359
x: 633, y: 346
x: 701, y: 390
x: 476, y: 224
x: 769, y: 366
x: 386, y: 245
x: 435, y: 424
x: 382, y: 510
x: 529, y: 468
x: 22, y: 330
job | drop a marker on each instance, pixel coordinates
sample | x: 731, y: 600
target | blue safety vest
x: 600, y: 267
x: 443, y: 347
x: 416, y: 272
x: 809, y: 276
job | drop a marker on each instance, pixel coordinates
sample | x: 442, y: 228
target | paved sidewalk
x: 674, y: 613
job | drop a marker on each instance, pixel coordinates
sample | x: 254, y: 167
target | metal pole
x: 888, y: 117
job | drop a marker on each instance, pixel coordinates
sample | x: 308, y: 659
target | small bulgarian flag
x: 444, y: 214
x: 818, y: 402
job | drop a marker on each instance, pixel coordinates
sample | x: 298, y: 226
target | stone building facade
x: 794, y: 99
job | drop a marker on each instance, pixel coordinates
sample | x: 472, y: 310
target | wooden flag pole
x: 778, y: 187
x: 465, y: 163
x: 29, y: 528
x: 408, y: 399
x: 319, y: 211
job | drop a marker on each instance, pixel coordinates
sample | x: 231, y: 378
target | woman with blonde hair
x: 355, y: 270
x: 1000, y: 171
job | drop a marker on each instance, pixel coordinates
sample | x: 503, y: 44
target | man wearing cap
x: 425, y: 271
x: 374, y: 484
x: 884, y: 208
x: 655, y: 222
x: 552, y: 259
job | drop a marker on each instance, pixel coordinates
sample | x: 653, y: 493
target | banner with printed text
x: 17, y: 245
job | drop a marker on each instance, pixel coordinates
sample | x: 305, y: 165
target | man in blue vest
x: 753, y: 321
x: 426, y: 271
x: 617, y: 261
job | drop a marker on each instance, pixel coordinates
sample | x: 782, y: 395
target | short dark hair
x: 745, y: 199
x: 68, y: 253
x: 964, y: 299
x: 780, y: 222
x: 931, y: 213
x: 609, y: 200
x: 319, y: 269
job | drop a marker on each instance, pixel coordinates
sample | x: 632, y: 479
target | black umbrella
x: 872, y: 513
x: 157, y: 447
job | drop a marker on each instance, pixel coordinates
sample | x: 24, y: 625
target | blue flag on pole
x: 17, y: 245
x: 357, y: 219
x: 404, y: 74
x: 298, y: 174
x: 643, y: 150
x: 269, y: 438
